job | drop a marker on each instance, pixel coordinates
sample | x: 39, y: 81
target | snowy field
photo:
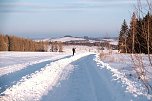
x: 123, y: 71
x: 53, y: 76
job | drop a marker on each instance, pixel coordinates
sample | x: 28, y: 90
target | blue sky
x: 55, y: 18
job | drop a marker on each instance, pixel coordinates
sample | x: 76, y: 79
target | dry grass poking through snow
x: 138, y: 63
x: 109, y: 56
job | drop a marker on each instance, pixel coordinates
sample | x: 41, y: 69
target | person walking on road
x: 73, y: 50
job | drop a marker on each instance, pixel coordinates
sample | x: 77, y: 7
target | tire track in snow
x: 39, y: 83
x: 83, y: 84
x: 88, y: 82
x: 13, y: 78
x: 17, y: 67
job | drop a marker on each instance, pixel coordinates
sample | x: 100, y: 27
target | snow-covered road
x: 12, y: 78
x: 70, y: 78
x: 87, y: 82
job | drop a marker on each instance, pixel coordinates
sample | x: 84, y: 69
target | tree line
x: 13, y: 43
x: 137, y: 37
x: 56, y: 46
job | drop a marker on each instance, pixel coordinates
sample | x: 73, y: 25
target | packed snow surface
x: 14, y: 61
x: 33, y: 86
x: 46, y: 76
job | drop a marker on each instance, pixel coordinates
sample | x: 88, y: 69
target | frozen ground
x: 32, y: 76
x: 14, y: 61
x: 87, y: 82
x: 123, y: 70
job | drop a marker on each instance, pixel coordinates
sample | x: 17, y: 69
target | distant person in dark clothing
x: 73, y: 50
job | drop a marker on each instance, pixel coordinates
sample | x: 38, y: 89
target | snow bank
x: 15, y: 61
x: 136, y: 88
x: 33, y: 87
x: 11, y: 58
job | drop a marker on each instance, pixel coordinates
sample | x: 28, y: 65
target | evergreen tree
x: 147, y: 20
x: 140, y: 41
x: 132, y: 35
x: 122, y: 46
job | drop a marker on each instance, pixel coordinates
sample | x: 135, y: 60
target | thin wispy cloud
x: 15, y: 7
x: 79, y: 5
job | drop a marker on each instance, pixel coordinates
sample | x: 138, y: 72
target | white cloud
x: 79, y: 5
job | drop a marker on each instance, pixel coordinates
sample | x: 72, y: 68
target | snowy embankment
x: 15, y: 61
x: 122, y: 71
x: 32, y: 87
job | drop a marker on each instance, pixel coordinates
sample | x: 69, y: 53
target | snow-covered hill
x: 65, y: 39
x: 62, y: 39
x: 111, y: 41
